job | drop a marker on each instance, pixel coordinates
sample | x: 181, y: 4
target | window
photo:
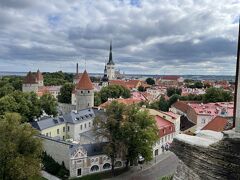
x: 50, y: 134
x: 81, y: 92
x: 85, y: 125
x: 46, y: 134
x: 79, y: 172
x: 57, y: 131
x: 106, y: 166
x: 94, y: 168
x: 88, y: 91
x: 63, y: 137
x: 89, y: 124
x: 203, y: 121
x: 81, y: 127
x: 63, y: 129
x: 68, y: 128
x: 118, y: 164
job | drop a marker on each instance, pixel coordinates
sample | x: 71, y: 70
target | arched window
x: 118, y: 164
x: 94, y: 168
x: 106, y: 166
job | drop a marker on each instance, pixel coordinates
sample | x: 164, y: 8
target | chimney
x: 77, y: 69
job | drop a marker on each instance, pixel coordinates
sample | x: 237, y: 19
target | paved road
x: 166, y: 165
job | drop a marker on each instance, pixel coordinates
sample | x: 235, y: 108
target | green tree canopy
x: 141, y: 89
x: 49, y: 104
x: 65, y: 95
x: 111, y: 129
x: 140, y: 133
x: 113, y: 91
x: 217, y: 95
x: 57, y: 78
x: 20, y: 151
x: 26, y: 104
x: 150, y: 81
x: 129, y: 131
x: 172, y: 90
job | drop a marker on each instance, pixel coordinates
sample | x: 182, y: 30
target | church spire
x: 110, y: 60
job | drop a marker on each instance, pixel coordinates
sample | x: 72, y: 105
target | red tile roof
x: 165, y: 127
x: 217, y: 124
x: 85, y: 82
x: 30, y: 78
x: 175, y: 78
x: 133, y: 83
x: 182, y: 106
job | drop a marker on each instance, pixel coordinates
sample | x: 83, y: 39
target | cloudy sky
x: 149, y: 37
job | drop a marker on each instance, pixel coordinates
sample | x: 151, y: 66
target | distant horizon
x: 125, y: 73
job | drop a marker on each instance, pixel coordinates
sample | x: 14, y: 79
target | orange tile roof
x: 84, y: 83
x: 132, y: 83
x: 217, y: 124
x: 118, y: 82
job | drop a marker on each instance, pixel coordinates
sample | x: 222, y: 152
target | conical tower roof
x: 84, y: 83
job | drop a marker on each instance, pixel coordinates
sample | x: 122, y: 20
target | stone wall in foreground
x: 218, y: 161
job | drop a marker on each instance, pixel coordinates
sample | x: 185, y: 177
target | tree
x: 97, y: 99
x: 163, y: 104
x: 141, y: 89
x: 174, y: 98
x: 49, y: 104
x: 173, y: 90
x: 217, y: 95
x: 113, y: 91
x: 129, y: 132
x: 140, y: 133
x: 20, y: 150
x: 65, y: 95
x: 198, y: 84
x: 110, y: 128
x: 150, y: 81
x: 6, y: 89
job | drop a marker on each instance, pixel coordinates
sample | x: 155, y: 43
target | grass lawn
x: 102, y: 175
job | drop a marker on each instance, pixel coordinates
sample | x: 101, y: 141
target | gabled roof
x: 84, y: 83
x: 217, y: 124
x: 72, y: 117
x: 165, y: 127
x: 182, y: 106
x: 30, y: 78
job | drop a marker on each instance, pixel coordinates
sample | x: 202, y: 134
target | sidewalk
x: 49, y: 176
x: 137, y: 169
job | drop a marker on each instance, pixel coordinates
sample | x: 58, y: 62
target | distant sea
x: 194, y: 77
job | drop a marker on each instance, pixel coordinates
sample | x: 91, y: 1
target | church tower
x: 237, y: 88
x: 84, y: 92
x: 110, y: 65
x: 104, y: 80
